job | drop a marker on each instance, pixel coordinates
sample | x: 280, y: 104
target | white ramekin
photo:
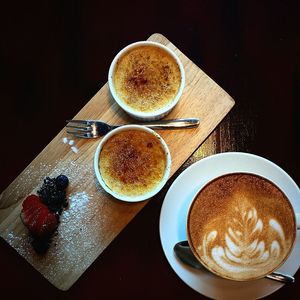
x: 145, y: 116
x: 140, y: 197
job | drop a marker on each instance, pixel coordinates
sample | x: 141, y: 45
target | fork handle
x: 173, y: 123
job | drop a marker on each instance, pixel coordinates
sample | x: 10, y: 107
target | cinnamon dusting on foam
x: 241, y: 226
x: 132, y: 162
x: 147, y: 78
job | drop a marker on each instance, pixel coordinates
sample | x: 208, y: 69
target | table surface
x: 55, y: 56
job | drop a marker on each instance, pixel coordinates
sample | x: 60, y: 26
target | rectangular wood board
x: 94, y: 218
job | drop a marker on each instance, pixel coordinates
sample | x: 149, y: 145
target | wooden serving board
x: 94, y: 218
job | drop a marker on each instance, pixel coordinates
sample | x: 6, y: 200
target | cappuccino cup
x: 241, y: 226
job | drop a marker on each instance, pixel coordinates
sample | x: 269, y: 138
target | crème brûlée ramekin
x: 146, y: 79
x: 132, y: 163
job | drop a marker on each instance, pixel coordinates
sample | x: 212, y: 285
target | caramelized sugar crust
x: 241, y: 226
x: 132, y: 162
x: 147, y: 78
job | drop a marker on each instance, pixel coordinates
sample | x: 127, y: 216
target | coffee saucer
x: 174, y: 213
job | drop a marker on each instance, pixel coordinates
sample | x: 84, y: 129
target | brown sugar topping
x: 147, y: 78
x: 132, y: 162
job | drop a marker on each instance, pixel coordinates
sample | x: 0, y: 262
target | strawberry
x: 37, y: 217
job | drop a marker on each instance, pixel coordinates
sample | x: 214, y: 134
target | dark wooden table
x: 54, y: 57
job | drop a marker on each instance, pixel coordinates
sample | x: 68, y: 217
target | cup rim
x: 147, y: 195
x: 195, y: 252
x: 138, y: 114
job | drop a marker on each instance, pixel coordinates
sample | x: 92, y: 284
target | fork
x: 90, y: 129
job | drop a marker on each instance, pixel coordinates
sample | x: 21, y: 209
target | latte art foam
x: 245, y: 249
x: 250, y: 232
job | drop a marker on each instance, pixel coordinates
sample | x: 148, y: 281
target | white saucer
x: 173, y: 222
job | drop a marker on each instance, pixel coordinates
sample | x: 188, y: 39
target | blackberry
x: 53, y: 195
x: 40, y: 244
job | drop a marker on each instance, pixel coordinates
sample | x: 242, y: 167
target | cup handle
x: 298, y: 220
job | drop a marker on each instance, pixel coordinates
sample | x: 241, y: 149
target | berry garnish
x: 53, y: 193
x: 40, y: 213
x: 36, y: 216
x: 62, y: 181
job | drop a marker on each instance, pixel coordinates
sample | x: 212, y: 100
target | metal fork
x: 90, y: 129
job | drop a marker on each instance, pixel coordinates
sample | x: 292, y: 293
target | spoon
x: 185, y: 254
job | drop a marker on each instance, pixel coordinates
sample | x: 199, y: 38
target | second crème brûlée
x: 132, y: 162
x: 147, y: 78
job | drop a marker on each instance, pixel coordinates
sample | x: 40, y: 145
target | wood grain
x: 94, y: 218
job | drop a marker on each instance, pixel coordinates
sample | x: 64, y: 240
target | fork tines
x: 80, y: 128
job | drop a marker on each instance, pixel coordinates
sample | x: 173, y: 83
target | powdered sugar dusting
x: 80, y: 228
x: 22, y: 187
x: 21, y: 242
x: 80, y: 236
